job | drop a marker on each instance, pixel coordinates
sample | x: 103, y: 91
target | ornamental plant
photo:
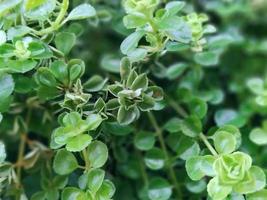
x: 133, y: 99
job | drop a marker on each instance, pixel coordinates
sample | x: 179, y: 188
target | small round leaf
x: 64, y: 162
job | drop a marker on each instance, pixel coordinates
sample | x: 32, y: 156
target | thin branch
x: 164, y: 148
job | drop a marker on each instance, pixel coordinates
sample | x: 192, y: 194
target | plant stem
x: 21, y: 150
x: 208, y: 145
x: 22, y: 146
x: 164, y: 148
x: 86, y: 159
x: 176, y: 107
x: 142, y: 168
x: 57, y: 24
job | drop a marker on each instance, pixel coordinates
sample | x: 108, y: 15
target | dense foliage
x: 133, y: 99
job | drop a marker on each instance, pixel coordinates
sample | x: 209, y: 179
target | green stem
x: 208, y: 145
x: 86, y: 159
x: 21, y: 150
x: 142, y: 168
x: 176, y: 107
x: 22, y: 146
x: 164, y: 148
x: 57, y: 24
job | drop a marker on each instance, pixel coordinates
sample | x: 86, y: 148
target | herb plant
x: 133, y: 99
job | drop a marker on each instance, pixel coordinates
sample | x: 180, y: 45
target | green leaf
x: 98, y: 154
x: 78, y: 143
x: 234, y: 131
x: 132, y: 76
x: 217, y: 191
x: 176, y: 46
x: 40, y: 12
x: 176, y: 28
x: 141, y: 81
x: 198, y: 107
x: 260, y: 195
x: 224, y: 142
x: 31, y: 4
x: 258, y: 136
x: 7, y: 50
x: 173, y: 125
x: 52, y: 193
x: 60, y: 181
x: 24, y: 84
x: 256, y: 85
x: 116, y: 129
x: 95, y: 179
x: 3, y: 37
x: 45, y: 77
x: 60, y: 71
x: 147, y: 103
x: 261, y: 100
x: 254, y: 181
x: 82, y: 11
x: 83, y: 181
x: 176, y: 70
x: 184, y: 147
x: 39, y: 196
x: 93, y: 121
x: 6, y: 85
x: 125, y: 116
x: 173, y: 7
x: 159, y: 189
x: 125, y: 68
x: 76, y: 69
x: 5, y: 103
x: 196, y: 186
x: 137, y: 54
x: 17, y: 31
x: 191, y: 126
x: 144, y: 140
x: 190, y: 151
x: 220, y: 41
x: 39, y: 50
x: 207, y: 58
x: 71, y: 193
x: 1, y: 117
x: 47, y: 93
x: 64, y: 162
x: 2, y: 151
x: 21, y: 66
x: 131, y: 42
x: 95, y: 84
x: 259, y: 177
x: 134, y: 20
x: 110, y: 63
x: 155, y: 159
x: 207, y: 165
x: 7, y: 5
x: 194, y: 168
x: 229, y: 116
x: 106, y: 191
x: 65, y: 41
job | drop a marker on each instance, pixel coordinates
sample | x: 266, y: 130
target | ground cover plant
x: 133, y: 99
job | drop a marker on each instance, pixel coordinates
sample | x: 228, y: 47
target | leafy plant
x: 133, y: 99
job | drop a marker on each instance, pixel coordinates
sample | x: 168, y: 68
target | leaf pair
x: 95, y: 185
x: 73, y: 132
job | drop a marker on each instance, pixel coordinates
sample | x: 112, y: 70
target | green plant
x: 132, y: 99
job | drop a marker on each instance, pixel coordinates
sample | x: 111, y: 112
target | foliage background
x: 241, y: 30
